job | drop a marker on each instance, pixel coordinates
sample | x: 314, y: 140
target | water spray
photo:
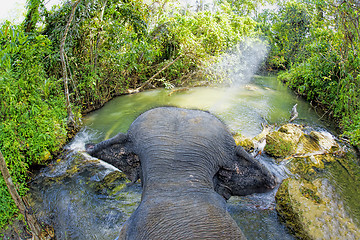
x: 237, y: 67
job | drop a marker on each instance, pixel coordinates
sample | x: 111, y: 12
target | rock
x: 313, y: 210
x: 283, y: 142
x: 267, y: 129
x: 325, y: 140
x: 304, y: 152
x: 251, y: 87
x: 245, y: 142
x: 255, y: 145
x: 310, y: 207
x: 112, y: 182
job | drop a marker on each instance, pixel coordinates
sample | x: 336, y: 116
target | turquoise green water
x: 262, y: 101
x: 243, y: 109
x: 72, y: 196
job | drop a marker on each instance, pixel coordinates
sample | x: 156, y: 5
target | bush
x: 32, y: 114
x: 329, y: 80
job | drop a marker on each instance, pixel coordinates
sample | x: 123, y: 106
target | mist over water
x: 237, y: 67
x: 234, y: 71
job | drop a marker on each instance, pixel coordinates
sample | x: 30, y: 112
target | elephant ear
x: 118, y: 152
x: 243, y: 175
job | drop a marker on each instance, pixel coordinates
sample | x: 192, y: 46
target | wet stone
x: 313, y: 210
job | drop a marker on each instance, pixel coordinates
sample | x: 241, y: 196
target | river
x: 72, y: 195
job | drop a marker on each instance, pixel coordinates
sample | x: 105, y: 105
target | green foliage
x: 329, y: 75
x: 286, y: 30
x: 111, y: 46
x: 247, y: 7
x: 33, y: 14
x: 200, y: 37
x: 32, y: 120
x: 106, y: 44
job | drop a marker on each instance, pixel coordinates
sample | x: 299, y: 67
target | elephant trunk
x: 94, y: 148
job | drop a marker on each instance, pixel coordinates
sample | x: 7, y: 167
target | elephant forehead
x: 175, y: 133
x: 178, y: 120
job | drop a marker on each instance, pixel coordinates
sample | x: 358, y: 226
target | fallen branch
x: 136, y: 90
x: 179, y: 90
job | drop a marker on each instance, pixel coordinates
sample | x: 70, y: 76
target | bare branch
x: 71, y: 120
x: 152, y: 78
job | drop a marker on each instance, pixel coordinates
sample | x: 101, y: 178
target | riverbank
x: 112, y: 49
x: 143, y: 53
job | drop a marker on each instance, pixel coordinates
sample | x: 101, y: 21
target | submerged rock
x: 313, y: 210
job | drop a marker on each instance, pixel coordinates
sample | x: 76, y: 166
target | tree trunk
x: 71, y: 119
x: 29, y: 218
x: 98, y: 35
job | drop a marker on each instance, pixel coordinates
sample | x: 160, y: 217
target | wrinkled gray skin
x: 188, y: 164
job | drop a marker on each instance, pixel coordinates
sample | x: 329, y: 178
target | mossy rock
x: 316, y: 142
x: 112, y: 181
x: 306, y: 167
x: 310, y: 155
x: 293, y: 131
x: 312, y: 210
x: 325, y: 141
x: 278, y: 146
x: 307, y: 144
x: 305, y: 152
x: 245, y: 142
x: 283, y: 142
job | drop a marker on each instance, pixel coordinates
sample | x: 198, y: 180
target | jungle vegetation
x: 52, y: 70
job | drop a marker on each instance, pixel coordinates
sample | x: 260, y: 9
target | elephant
x: 189, y: 165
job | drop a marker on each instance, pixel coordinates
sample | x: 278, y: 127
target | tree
x: 71, y: 119
x: 290, y: 27
x: 32, y: 15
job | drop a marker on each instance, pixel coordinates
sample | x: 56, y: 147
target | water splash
x: 235, y: 70
x: 85, y: 135
x: 237, y: 67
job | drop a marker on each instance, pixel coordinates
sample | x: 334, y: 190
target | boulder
x: 309, y: 205
x: 245, y: 142
x: 304, y: 152
x: 313, y: 210
x: 283, y: 142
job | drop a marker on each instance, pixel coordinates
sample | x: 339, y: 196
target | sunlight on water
x: 243, y: 108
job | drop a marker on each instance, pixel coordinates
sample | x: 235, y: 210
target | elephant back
x: 186, y: 217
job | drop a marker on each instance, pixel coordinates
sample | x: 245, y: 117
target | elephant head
x: 238, y: 175
x: 189, y: 164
